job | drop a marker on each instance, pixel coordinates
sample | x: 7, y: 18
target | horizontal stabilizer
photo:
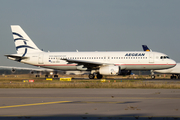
x: 16, y: 57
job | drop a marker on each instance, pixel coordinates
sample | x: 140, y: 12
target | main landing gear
x: 152, y: 74
x: 91, y: 76
x: 55, y: 76
x: 37, y: 76
x: 175, y: 76
x: 99, y: 76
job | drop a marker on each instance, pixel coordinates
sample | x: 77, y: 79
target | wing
x: 87, y: 64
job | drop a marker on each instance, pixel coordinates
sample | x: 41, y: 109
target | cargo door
x: 40, y: 59
x: 151, y: 58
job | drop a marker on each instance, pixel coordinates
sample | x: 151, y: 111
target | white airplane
x: 175, y: 71
x: 99, y: 63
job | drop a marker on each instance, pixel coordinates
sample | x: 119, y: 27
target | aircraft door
x: 151, y: 58
x: 40, y: 59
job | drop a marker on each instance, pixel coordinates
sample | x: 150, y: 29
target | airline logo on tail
x: 20, y: 38
x: 22, y: 41
x: 145, y: 48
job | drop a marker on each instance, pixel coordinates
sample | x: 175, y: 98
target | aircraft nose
x: 172, y: 63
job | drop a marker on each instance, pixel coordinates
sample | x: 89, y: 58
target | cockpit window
x: 164, y: 57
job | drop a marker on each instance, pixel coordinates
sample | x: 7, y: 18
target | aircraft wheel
x: 91, y: 76
x: 46, y: 76
x: 99, y: 76
x: 37, y: 75
x: 173, y: 77
x: 153, y: 76
x: 55, y: 76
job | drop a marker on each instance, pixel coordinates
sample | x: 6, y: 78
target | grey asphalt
x: 90, y: 102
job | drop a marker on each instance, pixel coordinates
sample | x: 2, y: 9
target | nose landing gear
x: 152, y: 74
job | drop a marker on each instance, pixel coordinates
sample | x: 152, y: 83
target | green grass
x: 97, y: 84
x: 17, y: 82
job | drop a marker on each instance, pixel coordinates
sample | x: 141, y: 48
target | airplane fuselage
x: 130, y: 60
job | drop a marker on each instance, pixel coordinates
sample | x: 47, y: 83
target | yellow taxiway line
x: 23, y: 105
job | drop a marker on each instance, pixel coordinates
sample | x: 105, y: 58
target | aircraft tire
x: 173, y: 77
x: 153, y: 77
x: 37, y: 75
x: 91, y: 76
x: 55, y: 76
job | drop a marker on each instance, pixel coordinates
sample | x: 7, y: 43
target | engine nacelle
x: 13, y: 70
x: 32, y: 72
x: 109, y: 70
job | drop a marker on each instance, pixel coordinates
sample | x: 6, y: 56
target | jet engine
x: 109, y: 70
x: 13, y: 70
x: 31, y: 72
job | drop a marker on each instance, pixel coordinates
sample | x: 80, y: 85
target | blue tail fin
x: 145, y: 48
